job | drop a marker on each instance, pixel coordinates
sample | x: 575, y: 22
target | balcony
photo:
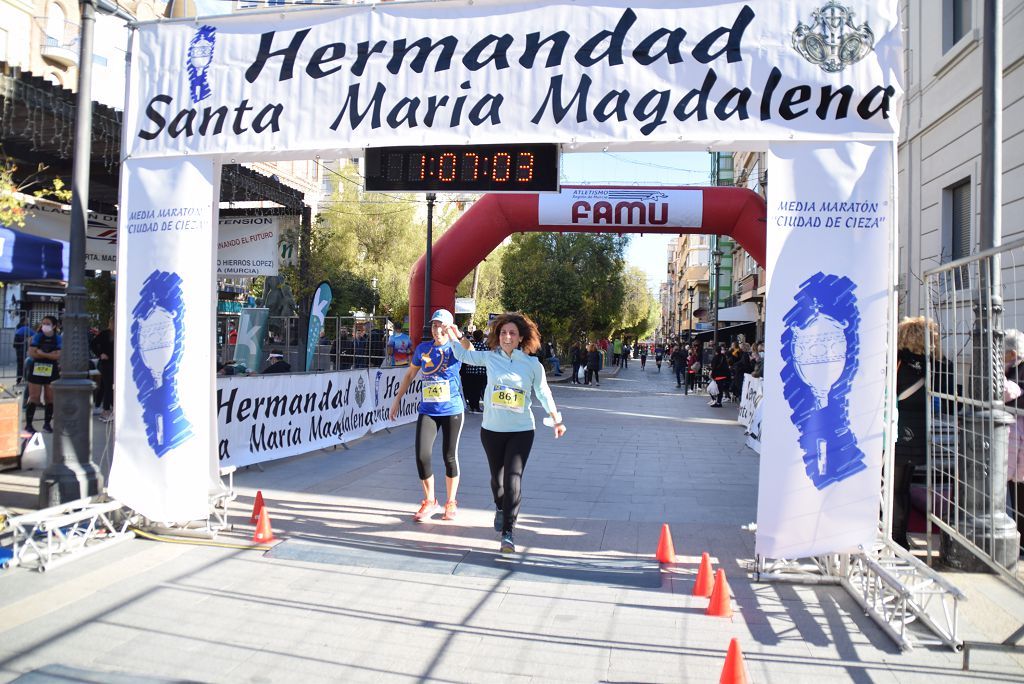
x: 747, y: 288
x: 60, y: 41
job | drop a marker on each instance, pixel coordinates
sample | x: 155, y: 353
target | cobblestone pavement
x: 358, y: 592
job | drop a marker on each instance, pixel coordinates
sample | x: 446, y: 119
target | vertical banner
x: 322, y: 297
x: 252, y: 331
x: 163, y: 370
x: 830, y: 224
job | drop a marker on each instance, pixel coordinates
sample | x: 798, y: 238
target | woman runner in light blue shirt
x: 507, y: 430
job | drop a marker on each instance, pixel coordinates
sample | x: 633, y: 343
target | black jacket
x: 911, y: 442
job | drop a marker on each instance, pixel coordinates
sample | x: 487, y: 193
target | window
x: 956, y: 228
x: 956, y: 21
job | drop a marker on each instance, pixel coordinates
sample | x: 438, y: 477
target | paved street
x: 358, y: 592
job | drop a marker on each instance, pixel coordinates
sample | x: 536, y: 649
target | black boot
x: 30, y: 416
x: 47, y: 418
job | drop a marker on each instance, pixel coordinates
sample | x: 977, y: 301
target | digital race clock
x: 471, y: 168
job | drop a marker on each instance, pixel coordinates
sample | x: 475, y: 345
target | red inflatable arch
x: 736, y: 212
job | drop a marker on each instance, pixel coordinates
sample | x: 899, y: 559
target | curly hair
x: 911, y: 335
x: 527, y: 331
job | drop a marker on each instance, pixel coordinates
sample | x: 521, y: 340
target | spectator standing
x: 593, y: 364
x: 44, y: 352
x: 576, y: 356
x: 720, y: 374
x: 626, y: 350
x: 740, y: 367
x: 1015, y: 460
x: 474, y: 377
x: 912, y: 405
x: 399, y: 348
x: 678, y: 361
x: 616, y: 351
x: 102, y: 347
x: 22, y: 334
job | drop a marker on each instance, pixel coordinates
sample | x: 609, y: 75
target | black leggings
x: 507, y: 453
x: 426, y: 433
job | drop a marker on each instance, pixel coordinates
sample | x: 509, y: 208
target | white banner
x: 264, y: 417
x: 753, y: 389
x: 336, y: 80
x: 163, y: 448
x: 830, y: 230
x: 246, y: 245
x: 622, y: 207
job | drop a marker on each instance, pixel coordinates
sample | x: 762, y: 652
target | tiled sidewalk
x: 358, y: 592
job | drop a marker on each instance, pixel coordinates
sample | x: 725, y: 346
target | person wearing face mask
x: 441, y: 409
x: 44, y: 350
x: 507, y: 430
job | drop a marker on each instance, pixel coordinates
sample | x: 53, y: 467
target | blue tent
x: 29, y: 257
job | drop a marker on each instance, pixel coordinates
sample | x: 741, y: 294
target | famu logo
x: 640, y: 207
x: 832, y: 40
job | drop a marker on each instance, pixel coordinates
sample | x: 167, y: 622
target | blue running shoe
x: 508, y: 544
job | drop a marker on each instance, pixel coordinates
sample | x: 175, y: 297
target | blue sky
x: 641, y: 168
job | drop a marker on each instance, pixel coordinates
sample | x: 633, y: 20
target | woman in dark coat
x: 912, y: 404
x: 593, y: 364
x: 720, y: 374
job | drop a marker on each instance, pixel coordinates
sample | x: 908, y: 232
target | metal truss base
x: 893, y: 587
x: 221, y: 495
x: 57, y: 535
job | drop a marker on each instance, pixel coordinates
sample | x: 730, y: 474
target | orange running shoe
x: 451, y: 509
x: 427, y: 510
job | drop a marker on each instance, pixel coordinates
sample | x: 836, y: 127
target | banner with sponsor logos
x: 495, y: 71
x: 830, y: 233
x: 654, y: 207
x: 252, y: 332
x: 163, y: 380
x: 264, y: 417
x: 246, y: 245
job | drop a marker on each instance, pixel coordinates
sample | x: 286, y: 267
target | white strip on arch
x: 329, y: 81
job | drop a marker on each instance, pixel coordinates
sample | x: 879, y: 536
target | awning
x: 745, y: 312
x: 725, y: 334
x: 29, y: 257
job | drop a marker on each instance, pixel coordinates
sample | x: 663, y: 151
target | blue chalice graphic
x: 156, y: 339
x: 819, y: 347
x: 200, y: 56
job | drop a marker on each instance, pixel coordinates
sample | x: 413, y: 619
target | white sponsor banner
x: 164, y: 444
x: 492, y: 71
x: 246, y: 245
x: 752, y: 392
x: 830, y: 225
x: 264, y: 417
x: 631, y: 207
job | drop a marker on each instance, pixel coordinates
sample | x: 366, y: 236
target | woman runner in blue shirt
x: 441, y: 407
x: 507, y: 430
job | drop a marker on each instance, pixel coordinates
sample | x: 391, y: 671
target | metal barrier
x: 974, y: 301
x: 975, y: 458
x: 346, y: 342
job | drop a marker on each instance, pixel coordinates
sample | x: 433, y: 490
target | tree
x: 488, y: 288
x: 12, y: 201
x: 640, y: 311
x: 570, y: 283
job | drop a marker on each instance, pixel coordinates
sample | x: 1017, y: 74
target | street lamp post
x: 373, y: 284
x: 692, y: 331
x: 71, y: 474
x: 716, y: 257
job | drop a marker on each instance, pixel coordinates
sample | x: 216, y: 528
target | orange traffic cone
x: 257, y: 507
x: 264, y: 533
x: 721, y: 602
x: 704, y: 584
x: 666, y: 552
x: 734, y: 671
